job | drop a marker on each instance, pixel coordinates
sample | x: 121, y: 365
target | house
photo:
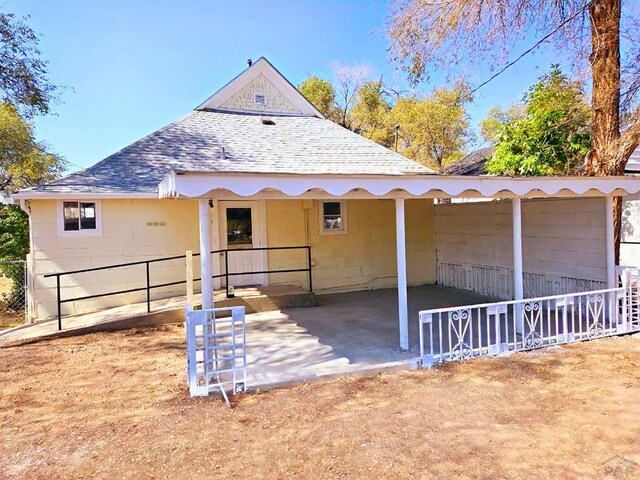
x: 283, y: 196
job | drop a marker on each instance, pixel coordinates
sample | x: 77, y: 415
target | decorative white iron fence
x: 459, y: 333
x: 216, y: 351
x: 497, y: 282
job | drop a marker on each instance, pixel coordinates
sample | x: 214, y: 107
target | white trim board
x: 257, y: 186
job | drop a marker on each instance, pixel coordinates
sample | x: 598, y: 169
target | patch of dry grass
x: 115, y: 405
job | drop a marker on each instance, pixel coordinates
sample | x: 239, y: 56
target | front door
x: 240, y: 232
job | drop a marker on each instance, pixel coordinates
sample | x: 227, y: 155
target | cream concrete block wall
x: 563, y: 237
x: 364, y: 258
x: 132, y: 230
x: 276, y: 102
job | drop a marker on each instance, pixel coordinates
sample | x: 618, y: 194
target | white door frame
x: 259, y: 209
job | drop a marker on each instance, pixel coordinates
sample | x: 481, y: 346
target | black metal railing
x: 149, y: 287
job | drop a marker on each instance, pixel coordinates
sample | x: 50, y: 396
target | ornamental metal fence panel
x: 459, y: 333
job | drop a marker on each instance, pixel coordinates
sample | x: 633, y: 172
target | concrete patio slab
x: 347, y: 333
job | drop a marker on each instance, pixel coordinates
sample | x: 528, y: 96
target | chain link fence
x: 13, y: 300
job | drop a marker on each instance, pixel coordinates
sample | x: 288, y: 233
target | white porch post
x: 403, y: 319
x: 205, y: 254
x: 610, y: 247
x: 518, y: 283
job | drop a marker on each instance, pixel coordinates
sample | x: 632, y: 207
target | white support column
x: 205, y: 254
x: 403, y: 319
x: 518, y: 282
x: 610, y: 247
x: 518, y: 287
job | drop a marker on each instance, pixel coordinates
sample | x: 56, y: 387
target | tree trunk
x: 606, y: 156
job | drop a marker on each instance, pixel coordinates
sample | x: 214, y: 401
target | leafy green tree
x: 497, y: 118
x: 370, y: 114
x: 321, y: 94
x: 14, y: 233
x: 25, y: 91
x: 23, y: 161
x: 553, y: 136
x: 434, y: 129
x: 24, y: 81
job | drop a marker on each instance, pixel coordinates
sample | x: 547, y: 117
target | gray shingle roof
x: 472, y: 164
x: 295, y: 144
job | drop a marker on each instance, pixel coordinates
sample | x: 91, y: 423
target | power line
x: 528, y: 51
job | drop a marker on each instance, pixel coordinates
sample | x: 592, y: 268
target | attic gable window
x: 79, y: 218
x: 260, y: 99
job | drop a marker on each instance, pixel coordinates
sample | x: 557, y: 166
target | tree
x: 551, y: 138
x: 370, y: 115
x: 321, y: 93
x: 434, y: 129
x: 24, y: 82
x: 23, y: 161
x: 473, y: 31
x: 348, y: 80
x: 497, y: 118
x: 335, y: 100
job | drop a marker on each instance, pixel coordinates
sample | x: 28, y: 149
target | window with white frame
x: 77, y: 217
x: 333, y: 217
x: 260, y: 99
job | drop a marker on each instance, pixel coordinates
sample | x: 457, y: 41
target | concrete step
x: 266, y: 298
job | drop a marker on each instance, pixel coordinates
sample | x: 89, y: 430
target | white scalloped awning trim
x: 199, y: 185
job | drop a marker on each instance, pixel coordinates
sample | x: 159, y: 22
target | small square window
x: 80, y: 217
x: 333, y: 217
x: 260, y: 99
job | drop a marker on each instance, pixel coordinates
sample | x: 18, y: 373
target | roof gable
x: 263, y: 79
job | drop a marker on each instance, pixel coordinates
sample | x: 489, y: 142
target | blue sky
x: 130, y: 67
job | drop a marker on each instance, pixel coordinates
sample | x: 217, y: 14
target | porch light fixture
x: 267, y: 120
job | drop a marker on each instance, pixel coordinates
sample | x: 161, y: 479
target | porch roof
x: 259, y: 186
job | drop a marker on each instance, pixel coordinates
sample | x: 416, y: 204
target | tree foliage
x: 552, y: 137
x: 23, y: 161
x: 370, y: 115
x: 321, y: 93
x: 434, y: 129
x: 24, y: 81
x: 14, y: 232
x: 496, y: 118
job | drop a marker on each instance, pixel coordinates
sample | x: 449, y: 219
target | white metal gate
x: 216, y: 351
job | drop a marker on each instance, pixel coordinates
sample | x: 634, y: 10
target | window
x: 260, y: 99
x: 78, y: 218
x: 239, y: 228
x: 333, y: 218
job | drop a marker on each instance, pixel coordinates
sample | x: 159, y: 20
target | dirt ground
x: 115, y: 405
